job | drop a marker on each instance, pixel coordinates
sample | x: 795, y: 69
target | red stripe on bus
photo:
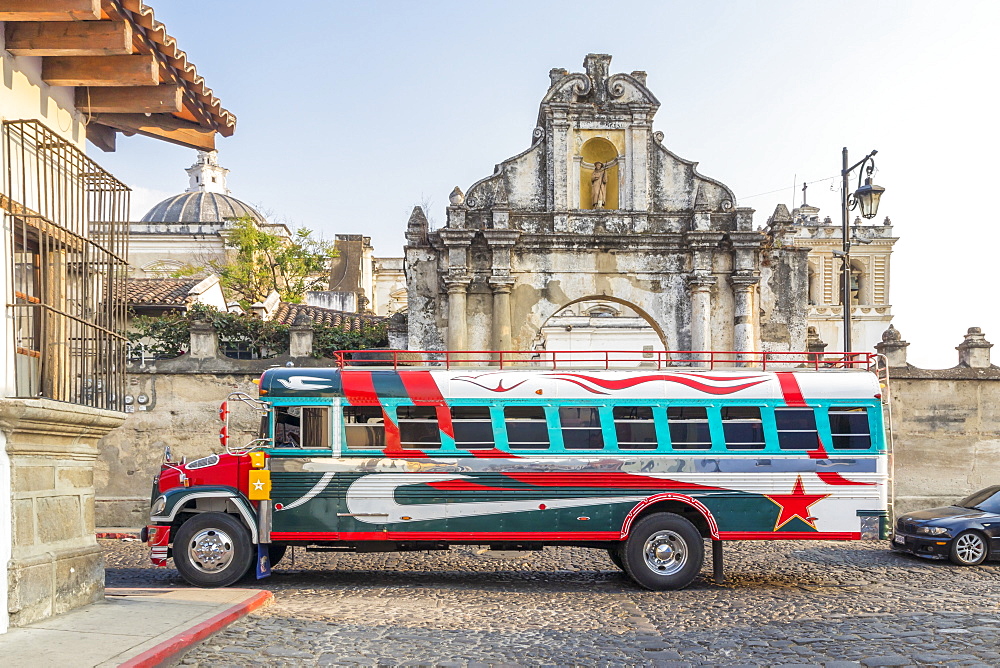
x: 333, y: 536
x: 359, y: 389
x: 790, y: 389
x: 834, y: 478
x: 393, y: 448
x: 790, y: 535
x: 605, y: 480
x: 421, y: 388
x: 492, y: 453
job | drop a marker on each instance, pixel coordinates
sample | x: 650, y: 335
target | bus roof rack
x: 525, y: 360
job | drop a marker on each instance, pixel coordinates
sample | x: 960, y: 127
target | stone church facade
x: 599, y: 210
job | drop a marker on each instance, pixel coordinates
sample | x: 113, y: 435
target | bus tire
x: 213, y: 550
x: 663, y: 551
x: 276, y: 553
x: 615, y: 553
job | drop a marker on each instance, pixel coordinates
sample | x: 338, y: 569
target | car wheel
x: 969, y: 548
x: 663, y: 551
x: 213, y: 550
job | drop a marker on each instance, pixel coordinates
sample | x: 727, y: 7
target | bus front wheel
x: 663, y: 551
x: 213, y: 550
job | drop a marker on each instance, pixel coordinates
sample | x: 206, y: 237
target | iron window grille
x: 66, y: 220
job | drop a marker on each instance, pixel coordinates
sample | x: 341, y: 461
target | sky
x: 351, y: 113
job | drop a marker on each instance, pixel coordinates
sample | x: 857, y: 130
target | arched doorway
x: 602, y: 324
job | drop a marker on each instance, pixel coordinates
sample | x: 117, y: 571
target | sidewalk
x: 131, y: 627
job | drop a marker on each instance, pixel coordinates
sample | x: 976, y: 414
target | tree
x: 263, y: 262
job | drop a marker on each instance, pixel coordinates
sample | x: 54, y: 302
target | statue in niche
x: 599, y: 182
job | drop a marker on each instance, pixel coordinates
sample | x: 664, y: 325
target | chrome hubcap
x: 970, y: 547
x: 211, y: 550
x: 665, y: 552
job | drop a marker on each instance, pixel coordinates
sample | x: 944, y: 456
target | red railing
x: 604, y: 359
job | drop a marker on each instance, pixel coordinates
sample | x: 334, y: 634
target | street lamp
x: 866, y: 197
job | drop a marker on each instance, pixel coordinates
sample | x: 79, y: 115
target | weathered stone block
x: 79, y: 580
x: 58, y: 518
x: 76, y: 477
x: 30, y: 592
x: 23, y: 521
x: 33, y: 478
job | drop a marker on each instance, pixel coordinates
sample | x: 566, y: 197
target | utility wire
x: 778, y: 190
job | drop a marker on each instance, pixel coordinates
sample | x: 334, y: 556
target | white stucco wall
x: 23, y: 95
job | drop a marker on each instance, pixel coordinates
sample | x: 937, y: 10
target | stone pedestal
x: 56, y: 564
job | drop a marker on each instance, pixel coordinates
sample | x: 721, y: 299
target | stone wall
x: 946, y: 424
x: 55, y: 564
x: 175, y: 403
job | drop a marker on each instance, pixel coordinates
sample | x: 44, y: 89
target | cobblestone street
x: 783, y: 604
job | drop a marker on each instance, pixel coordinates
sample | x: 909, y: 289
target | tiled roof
x: 286, y: 314
x: 160, y: 291
x: 167, y: 47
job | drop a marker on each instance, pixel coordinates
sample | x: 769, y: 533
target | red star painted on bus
x: 794, y: 505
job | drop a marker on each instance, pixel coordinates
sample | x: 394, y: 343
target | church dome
x: 200, y: 207
x: 207, y: 199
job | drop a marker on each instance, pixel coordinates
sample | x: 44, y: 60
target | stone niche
x: 56, y: 563
x: 597, y: 208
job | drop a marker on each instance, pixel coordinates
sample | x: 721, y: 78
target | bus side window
x: 302, y: 427
x: 849, y: 428
x: 581, y: 428
x: 796, y: 428
x: 742, y: 428
x: 364, y: 428
x: 634, y: 427
x: 689, y: 428
x: 473, y: 427
x: 287, y: 426
x: 418, y: 427
x: 526, y: 427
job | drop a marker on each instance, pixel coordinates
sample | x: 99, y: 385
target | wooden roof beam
x: 75, y: 38
x: 50, y: 10
x: 163, y: 99
x: 100, y: 70
x: 161, y: 126
x: 102, y: 137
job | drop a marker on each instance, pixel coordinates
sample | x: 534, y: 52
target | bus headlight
x: 158, y: 506
x: 932, y: 531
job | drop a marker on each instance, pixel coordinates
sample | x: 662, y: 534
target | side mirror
x: 224, y: 437
x: 224, y: 411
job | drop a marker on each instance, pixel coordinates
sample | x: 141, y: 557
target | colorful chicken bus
x: 644, y: 463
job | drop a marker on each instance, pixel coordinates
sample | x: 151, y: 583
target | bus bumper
x: 158, y: 538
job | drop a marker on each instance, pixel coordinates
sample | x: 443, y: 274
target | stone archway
x: 600, y: 323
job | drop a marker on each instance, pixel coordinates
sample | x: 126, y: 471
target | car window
x: 987, y: 500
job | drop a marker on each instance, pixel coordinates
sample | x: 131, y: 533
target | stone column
x: 701, y: 314
x: 501, y: 313
x: 55, y: 563
x: 974, y: 352
x: 744, y: 334
x: 458, y: 334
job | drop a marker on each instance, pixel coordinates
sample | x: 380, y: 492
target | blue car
x: 968, y: 532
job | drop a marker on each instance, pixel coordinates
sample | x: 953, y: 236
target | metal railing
x: 603, y: 359
x: 67, y: 223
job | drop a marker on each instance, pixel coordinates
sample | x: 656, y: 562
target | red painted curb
x: 168, y: 649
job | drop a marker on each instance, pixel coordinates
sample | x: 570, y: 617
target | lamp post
x: 866, y: 196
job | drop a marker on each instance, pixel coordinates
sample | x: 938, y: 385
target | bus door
x: 303, y: 467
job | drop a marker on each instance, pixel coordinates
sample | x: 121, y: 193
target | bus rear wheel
x: 615, y: 553
x: 663, y: 551
x: 213, y: 550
